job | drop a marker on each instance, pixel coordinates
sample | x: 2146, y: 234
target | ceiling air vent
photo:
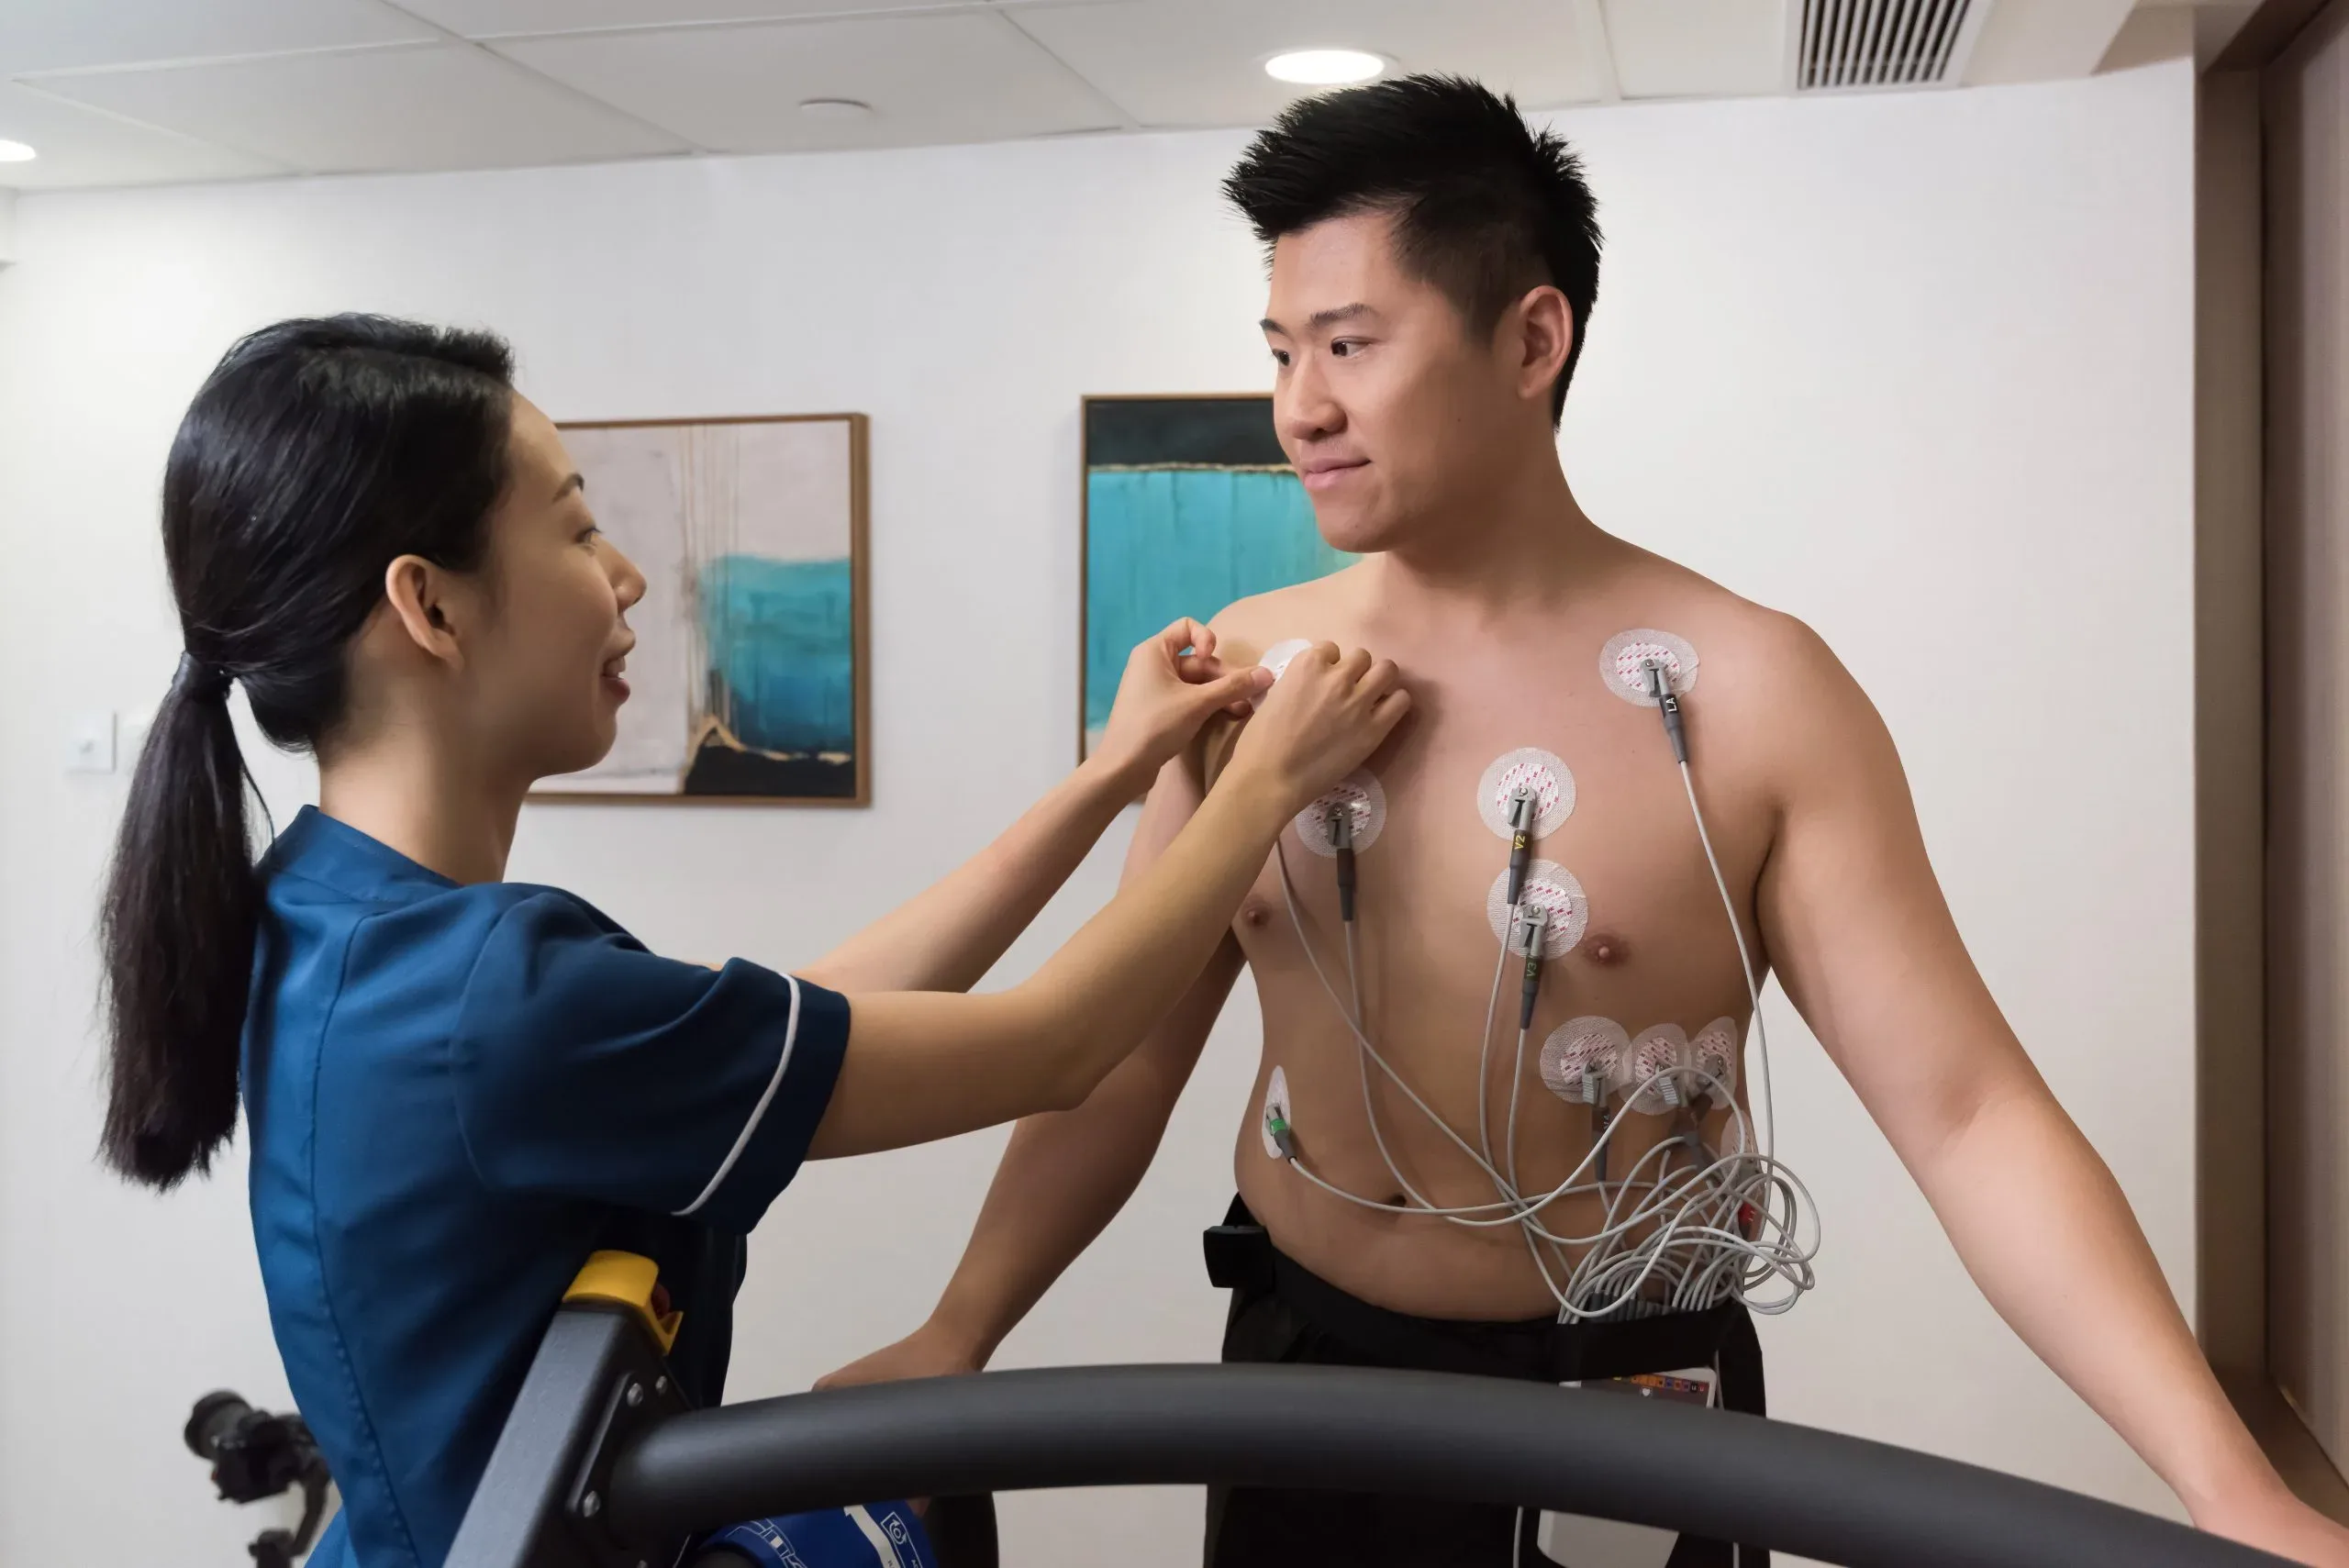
x: 1884, y: 44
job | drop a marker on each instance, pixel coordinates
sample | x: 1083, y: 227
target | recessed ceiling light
x: 836, y: 109
x: 1324, y: 67
x: 16, y: 153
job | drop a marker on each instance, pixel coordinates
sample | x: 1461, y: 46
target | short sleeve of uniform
x: 587, y: 1067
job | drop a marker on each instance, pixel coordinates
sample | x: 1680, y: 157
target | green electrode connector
x: 1276, y: 1125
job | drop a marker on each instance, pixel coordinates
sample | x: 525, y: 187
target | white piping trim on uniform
x: 882, y: 1544
x: 758, y: 1113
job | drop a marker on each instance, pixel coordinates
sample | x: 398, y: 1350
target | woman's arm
x: 948, y: 936
x: 926, y: 1065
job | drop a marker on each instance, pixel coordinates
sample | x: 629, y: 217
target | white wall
x: 1915, y: 368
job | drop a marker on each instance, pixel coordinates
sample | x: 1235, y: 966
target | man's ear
x: 1538, y: 335
x: 430, y: 605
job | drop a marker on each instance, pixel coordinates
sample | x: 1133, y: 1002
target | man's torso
x: 1655, y: 949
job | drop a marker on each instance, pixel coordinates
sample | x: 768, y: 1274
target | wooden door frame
x: 2230, y: 747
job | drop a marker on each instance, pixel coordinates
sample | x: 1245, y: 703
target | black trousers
x: 1282, y: 1313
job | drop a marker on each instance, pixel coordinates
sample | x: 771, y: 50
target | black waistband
x: 1243, y: 1259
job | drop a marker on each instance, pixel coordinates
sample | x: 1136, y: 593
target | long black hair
x: 316, y: 453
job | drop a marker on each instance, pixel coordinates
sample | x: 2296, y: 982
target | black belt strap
x: 1241, y: 1258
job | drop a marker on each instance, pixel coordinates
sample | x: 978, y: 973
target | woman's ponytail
x: 316, y: 453
x: 177, y: 929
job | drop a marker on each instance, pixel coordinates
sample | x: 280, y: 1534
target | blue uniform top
x: 454, y: 1095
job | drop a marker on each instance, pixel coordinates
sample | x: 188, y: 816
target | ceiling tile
x: 503, y: 19
x: 951, y: 76
x: 2044, y: 43
x: 1200, y: 62
x: 435, y: 106
x: 1686, y: 48
x: 80, y: 146
x: 63, y: 35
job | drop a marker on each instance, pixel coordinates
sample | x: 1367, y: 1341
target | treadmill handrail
x: 1731, y: 1477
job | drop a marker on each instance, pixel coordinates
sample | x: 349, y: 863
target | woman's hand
x: 1329, y: 712
x: 922, y: 1066
x: 1167, y: 694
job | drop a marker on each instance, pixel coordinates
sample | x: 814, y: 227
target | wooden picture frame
x: 1114, y: 436
x: 854, y: 776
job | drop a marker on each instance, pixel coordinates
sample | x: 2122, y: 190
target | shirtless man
x: 1433, y: 263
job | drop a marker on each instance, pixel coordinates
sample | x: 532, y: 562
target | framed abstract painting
x: 1189, y: 504
x: 750, y: 672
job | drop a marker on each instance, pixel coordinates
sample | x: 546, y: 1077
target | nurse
x: 456, y: 1087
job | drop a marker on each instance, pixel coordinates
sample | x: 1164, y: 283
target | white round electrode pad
x: 1714, y: 1050
x: 1275, y: 658
x: 1653, y: 1060
x: 1732, y: 1140
x: 1581, y: 1054
x: 1361, y: 795
x: 1622, y: 663
x: 1550, y: 888
x: 1275, y: 1101
x: 1538, y: 773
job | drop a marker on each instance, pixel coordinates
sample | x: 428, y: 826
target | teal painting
x: 1189, y: 504
x: 749, y: 673
x: 781, y: 662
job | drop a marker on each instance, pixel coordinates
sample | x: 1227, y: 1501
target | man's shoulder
x: 1771, y: 703
x: 1739, y: 643
x: 1246, y: 628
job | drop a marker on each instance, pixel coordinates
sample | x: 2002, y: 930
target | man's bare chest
x: 1633, y: 915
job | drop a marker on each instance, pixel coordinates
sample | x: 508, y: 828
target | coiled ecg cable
x: 1723, y: 1226
x: 1704, y: 1209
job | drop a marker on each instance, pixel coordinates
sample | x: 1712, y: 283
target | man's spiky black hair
x: 1486, y: 207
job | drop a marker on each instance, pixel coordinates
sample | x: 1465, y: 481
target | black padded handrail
x: 1733, y: 1477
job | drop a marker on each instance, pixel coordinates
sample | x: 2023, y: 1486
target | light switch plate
x: 89, y: 742
x: 131, y: 738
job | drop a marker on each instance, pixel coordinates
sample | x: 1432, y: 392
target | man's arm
x: 1854, y: 920
x: 1066, y: 1174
